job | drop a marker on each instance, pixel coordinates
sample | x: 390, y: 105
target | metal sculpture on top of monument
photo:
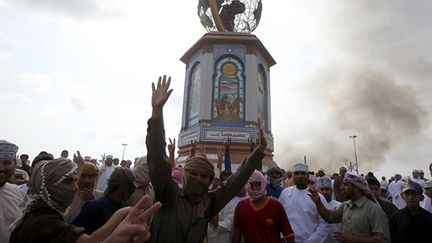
x: 227, y: 82
x: 230, y: 15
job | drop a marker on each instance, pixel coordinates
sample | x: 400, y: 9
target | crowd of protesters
x: 76, y: 200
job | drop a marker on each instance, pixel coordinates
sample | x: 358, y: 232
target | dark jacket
x: 176, y: 220
x: 405, y: 227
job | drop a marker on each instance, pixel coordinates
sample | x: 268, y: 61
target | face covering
x: 256, y: 177
x: 46, y: 184
x: 275, y: 182
x: 193, y: 187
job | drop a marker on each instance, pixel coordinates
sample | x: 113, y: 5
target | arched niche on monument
x: 228, y: 107
x: 193, y: 95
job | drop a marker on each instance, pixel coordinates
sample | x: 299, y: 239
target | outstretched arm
x: 237, y: 181
x: 323, y: 211
x: 159, y: 167
x: 126, y: 225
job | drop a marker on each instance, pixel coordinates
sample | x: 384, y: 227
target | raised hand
x: 262, y: 142
x: 194, y: 145
x: 314, y: 195
x: 134, y: 228
x: 161, y: 92
x: 78, y: 159
x: 87, y: 194
x: 138, y: 216
x: 220, y: 152
x: 171, y: 146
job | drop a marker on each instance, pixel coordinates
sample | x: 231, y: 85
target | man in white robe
x: 12, y: 200
x: 395, y: 190
x: 303, y: 216
x: 416, y: 177
x: 105, y: 172
x: 324, y: 186
x: 220, y: 229
x: 427, y: 192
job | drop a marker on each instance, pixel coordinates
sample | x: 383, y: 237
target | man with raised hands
x: 186, y: 211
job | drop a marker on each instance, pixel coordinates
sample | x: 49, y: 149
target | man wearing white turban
x: 305, y: 220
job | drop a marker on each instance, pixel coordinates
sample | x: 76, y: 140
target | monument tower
x: 227, y: 82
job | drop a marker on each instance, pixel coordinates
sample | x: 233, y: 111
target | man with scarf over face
x: 260, y: 218
x: 275, y: 178
x: 186, y: 211
x: 53, y: 187
x: 361, y: 217
x: 142, y: 183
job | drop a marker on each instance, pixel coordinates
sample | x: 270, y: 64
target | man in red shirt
x: 260, y: 218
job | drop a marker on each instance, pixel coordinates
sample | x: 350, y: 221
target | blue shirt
x: 274, y: 191
x: 94, y: 214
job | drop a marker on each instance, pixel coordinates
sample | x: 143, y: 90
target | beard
x: 5, y: 177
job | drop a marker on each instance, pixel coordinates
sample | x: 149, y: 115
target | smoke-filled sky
x: 77, y: 75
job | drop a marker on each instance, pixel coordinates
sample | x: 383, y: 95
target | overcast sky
x: 76, y: 74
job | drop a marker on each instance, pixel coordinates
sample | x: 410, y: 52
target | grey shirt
x: 176, y: 220
x: 362, y: 218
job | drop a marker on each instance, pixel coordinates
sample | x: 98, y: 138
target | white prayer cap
x: 87, y: 158
x: 300, y: 167
x: 109, y: 156
x: 7, y: 149
x: 324, y: 181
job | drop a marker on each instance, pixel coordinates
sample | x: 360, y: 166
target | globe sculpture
x: 230, y: 15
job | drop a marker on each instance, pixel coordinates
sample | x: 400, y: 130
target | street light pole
x: 124, y: 147
x: 355, y: 152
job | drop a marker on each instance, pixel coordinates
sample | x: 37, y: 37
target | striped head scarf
x: 45, y: 184
x: 361, y: 183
